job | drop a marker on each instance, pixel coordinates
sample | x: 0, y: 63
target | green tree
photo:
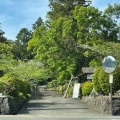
x: 95, y: 25
x: 37, y: 24
x: 113, y: 11
x: 38, y: 38
x: 2, y: 38
x: 5, y: 45
x: 96, y: 33
x: 64, y: 8
x: 6, y: 50
x: 56, y: 47
x: 21, y: 43
x: 70, y: 44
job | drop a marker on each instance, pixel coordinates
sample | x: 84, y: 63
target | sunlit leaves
x: 94, y: 24
x: 113, y: 11
x: 70, y: 43
x: 63, y: 8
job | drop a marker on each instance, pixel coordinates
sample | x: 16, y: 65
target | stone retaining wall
x: 102, y: 104
x: 10, y: 105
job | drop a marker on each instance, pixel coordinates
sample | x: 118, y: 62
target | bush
x: 87, y: 88
x: 101, y: 81
x: 14, y: 87
x: 70, y: 92
x: 28, y: 96
x: 21, y: 95
x: 116, y: 79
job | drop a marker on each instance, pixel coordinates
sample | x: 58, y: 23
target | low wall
x: 10, y: 105
x: 102, y: 104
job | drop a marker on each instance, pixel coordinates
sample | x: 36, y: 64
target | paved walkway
x: 52, y: 106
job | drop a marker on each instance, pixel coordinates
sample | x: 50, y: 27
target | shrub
x: 21, y: 95
x: 28, y: 96
x: 87, y: 88
x: 116, y: 79
x: 70, y: 92
x: 14, y: 87
x: 101, y: 81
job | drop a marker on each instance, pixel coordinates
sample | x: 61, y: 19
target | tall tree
x: 113, y: 11
x: 70, y: 44
x: 37, y: 24
x: 2, y: 38
x: 5, y: 46
x: 64, y: 8
x: 95, y: 25
x: 21, y: 43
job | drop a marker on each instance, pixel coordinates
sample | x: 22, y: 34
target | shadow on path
x: 52, y: 103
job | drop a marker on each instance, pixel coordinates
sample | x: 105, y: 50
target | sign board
x: 111, y: 78
x: 76, y: 90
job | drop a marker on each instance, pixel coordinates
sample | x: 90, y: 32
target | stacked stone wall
x: 103, y: 103
x: 10, y: 105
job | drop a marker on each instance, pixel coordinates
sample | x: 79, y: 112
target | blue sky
x: 17, y: 14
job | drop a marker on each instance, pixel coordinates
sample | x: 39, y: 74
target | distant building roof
x: 88, y: 70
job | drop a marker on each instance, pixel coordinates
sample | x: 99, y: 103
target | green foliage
x: 6, y: 50
x: 101, y: 81
x: 37, y: 24
x: 57, y: 47
x: 2, y: 38
x: 17, y: 74
x: 116, y: 79
x: 56, y: 50
x: 113, y: 11
x: 6, y: 87
x: 21, y: 95
x: 54, y: 83
x: 87, y: 88
x: 38, y: 39
x: 24, y: 70
x: 13, y: 86
x: 28, y: 96
x: 77, y: 36
x: 14, y: 79
x: 87, y: 20
x: 20, y: 45
x: 94, y: 63
x: 63, y: 8
x: 70, y: 92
